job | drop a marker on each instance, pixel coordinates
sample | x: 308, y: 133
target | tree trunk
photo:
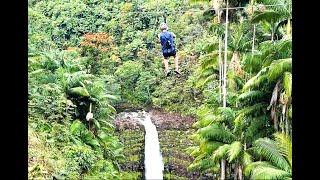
x: 220, y: 71
x: 240, y: 172
x: 236, y: 171
x: 272, y: 34
x: 275, y: 118
x: 253, y: 39
x: 223, y: 169
x: 225, y: 60
x: 235, y: 63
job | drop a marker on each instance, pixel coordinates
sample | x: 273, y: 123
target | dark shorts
x: 167, y: 55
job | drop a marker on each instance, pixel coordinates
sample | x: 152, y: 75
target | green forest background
x: 106, y: 53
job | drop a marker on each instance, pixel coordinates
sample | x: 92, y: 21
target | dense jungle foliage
x: 102, y: 56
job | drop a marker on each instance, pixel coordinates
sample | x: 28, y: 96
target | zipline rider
x: 168, y: 49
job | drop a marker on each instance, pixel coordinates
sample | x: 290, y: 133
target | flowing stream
x: 153, y: 159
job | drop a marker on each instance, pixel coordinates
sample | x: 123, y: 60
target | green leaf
x: 96, y: 123
x: 80, y: 91
x: 269, y: 16
x: 77, y: 127
x: 109, y: 96
x: 93, y: 142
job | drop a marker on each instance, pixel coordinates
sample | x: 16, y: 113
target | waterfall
x: 153, y: 159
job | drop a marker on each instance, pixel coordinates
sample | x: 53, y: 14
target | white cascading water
x: 152, y: 158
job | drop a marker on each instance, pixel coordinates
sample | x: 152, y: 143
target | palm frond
x: 79, y: 91
x: 264, y: 170
x: 269, y: 16
x: 251, y: 96
x: 220, y: 153
x: 236, y: 148
x: 196, y: 152
x: 205, y: 121
x: 285, y: 9
x: 225, y: 114
x: 252, y: 110
x: 246, y: 158
x: 287, y: 83
x: 270, y: 74
x: 207, y: 147
x: 215, y: 132
x: 209, y: 60
x: 268, y: 173
x: 206, y: 80
x: 268, y: 149
x: 279, y: 67
x: 256, y: 80
x: 256, y: 128
x: 285, y: 146
x: 205, y: 73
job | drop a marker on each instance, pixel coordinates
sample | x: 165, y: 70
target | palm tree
x: 277, y: 76
x: 279, y: 13
x: 277, y: 158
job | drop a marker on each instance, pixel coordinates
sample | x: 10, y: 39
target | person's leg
x: 176, y: 63
x: 166, y: 64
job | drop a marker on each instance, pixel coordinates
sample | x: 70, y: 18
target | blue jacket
x: 164, y: 37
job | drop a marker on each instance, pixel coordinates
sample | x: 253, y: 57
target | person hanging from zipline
x: 168, y: 48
